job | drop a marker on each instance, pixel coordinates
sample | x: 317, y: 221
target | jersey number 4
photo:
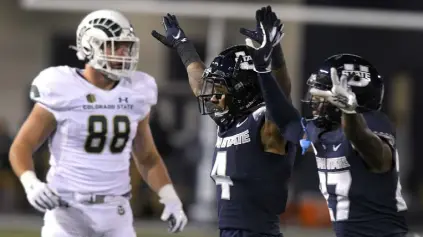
x: 219, y: 175
x: 97, y: 134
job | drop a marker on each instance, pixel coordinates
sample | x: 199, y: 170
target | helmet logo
x: 246, y: 60
x: 362, y: 72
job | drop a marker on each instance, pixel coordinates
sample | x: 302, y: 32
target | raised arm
x: 270, y: 20
x: 282, y: 118
x: 175, y: 38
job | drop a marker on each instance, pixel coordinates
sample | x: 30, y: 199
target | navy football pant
x: 243, y: 233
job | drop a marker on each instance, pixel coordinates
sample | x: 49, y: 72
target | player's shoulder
x: 54, y: 86
x: 380, y: 124
x: 54, y: 76
x: 144, y: 86
x: 378, y: 120
x: 144, y: 80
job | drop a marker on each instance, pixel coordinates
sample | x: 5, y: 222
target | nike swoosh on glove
x: 174, y: 35
x: 270, y: 22
x: 262, y: 55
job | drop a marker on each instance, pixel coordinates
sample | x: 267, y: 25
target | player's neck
x: 97, y: 79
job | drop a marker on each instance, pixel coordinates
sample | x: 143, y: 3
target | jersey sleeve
x: 47, y: 91
x: 380, y: 124
x: 146, y: 91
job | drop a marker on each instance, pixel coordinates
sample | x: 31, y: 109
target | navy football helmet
x: 230, y: 75
x: 363, y: 78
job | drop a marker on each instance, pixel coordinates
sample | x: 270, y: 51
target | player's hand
x: 174, y: 215
x: 174, y: 35
x: 340, y: 95
x: 41, y: 196
x: 270, y: 22
x: 262, y: 55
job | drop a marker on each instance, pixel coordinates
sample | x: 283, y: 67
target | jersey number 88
x: 97, y: 134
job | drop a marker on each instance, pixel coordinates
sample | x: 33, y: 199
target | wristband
x: 188, y: 53
x: 28, y: 178
x: 167, y: 192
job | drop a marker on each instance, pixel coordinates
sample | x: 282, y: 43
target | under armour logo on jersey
x: 123, y: 99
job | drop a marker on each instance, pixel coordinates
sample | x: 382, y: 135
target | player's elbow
x: 146, y: 159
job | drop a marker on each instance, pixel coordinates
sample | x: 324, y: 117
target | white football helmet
x: 97, y: 39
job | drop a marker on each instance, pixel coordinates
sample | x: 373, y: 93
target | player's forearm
x: 369, y: 145
x: 193, y: 63
x: 279, y: 108
x: 195, y: 72
x: 154, y: 171
x: 20, y: 157
x: 280, y: 70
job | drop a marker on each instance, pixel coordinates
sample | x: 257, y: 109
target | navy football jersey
x: 251, y: 185
x: 360, y: 202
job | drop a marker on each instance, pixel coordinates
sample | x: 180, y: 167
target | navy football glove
x: 174, y: 35
x: 270, y: 22
x: 262, y: 56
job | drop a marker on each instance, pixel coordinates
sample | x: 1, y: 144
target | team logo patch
x: 91, y: 98
x: 121, y: 210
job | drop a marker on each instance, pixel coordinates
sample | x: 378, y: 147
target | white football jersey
x: 91, y: 147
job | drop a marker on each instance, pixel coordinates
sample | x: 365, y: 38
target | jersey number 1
x: 342, y: 182
x: 97, y: 134
x: 219, y: 175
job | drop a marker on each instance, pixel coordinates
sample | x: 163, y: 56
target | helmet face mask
x: 214, y: 97
x: 230, y: 86
x: 106, y: 40
x: 363, y: 79
x: 317, y: 109
x: 117, y: 56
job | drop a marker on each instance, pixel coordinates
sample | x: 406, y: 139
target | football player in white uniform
x: 94, y: 119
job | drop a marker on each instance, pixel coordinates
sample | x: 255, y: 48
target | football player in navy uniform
x: 354, y: 145
x: 255, y: 144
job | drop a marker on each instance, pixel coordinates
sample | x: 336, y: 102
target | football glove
x: 172, y: 212
x: 38, y: 193
x: 262, y: 56
x: 340, y: 95
x: 174, y: 35
x: 270, y: 22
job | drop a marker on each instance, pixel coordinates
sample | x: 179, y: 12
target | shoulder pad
x: 258, y: 113
x: 50, y: 87
x: 380, y: 124
x: 145, y: 85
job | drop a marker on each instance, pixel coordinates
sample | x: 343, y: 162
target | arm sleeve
x: 279, y: 109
